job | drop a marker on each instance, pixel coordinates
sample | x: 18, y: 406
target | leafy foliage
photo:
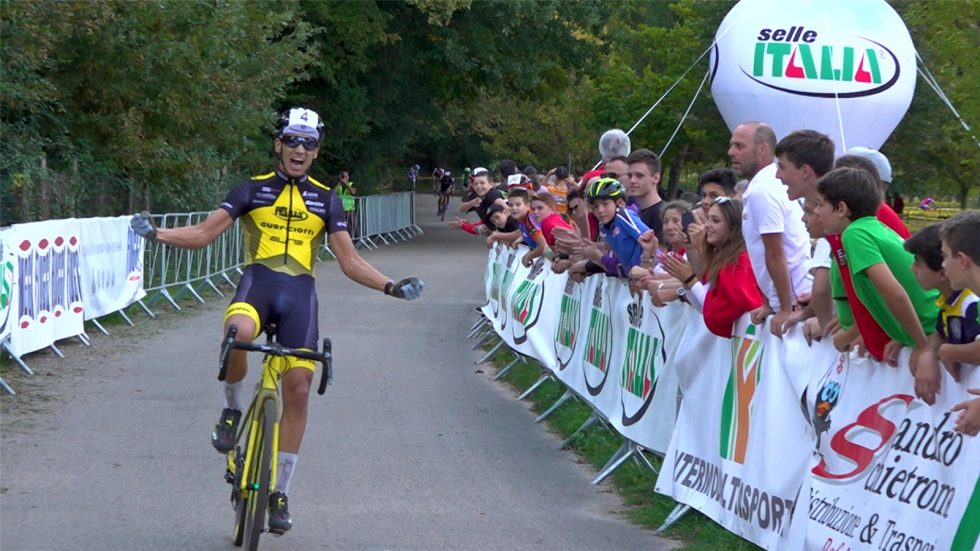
x: 931, y: 152
x: 108, y: 106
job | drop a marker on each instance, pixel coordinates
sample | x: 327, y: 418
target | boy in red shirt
x: 543, y: 207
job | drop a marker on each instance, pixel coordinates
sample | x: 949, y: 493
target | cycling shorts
x: 446, y: 189
x: 289, y: 301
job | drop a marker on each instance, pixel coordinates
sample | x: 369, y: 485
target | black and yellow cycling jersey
x: 284, y: 220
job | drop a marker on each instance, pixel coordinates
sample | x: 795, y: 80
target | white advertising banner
x: 605, y: 345
x: 48, y: 302
x: 765, y: 422
x: 8, y: 274
x: 111, y: 265
x: 741, y: 446
x: 890, y: 472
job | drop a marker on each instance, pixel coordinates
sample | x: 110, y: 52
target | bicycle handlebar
x: 276, y: 349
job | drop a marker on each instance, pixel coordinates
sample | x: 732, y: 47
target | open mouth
x: 296, y: 162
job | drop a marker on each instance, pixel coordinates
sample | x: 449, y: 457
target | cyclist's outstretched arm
x: 190, y: 237
x: 351, y: 263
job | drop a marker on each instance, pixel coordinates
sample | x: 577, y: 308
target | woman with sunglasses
x: 285, y: 215
x: 727, y: 288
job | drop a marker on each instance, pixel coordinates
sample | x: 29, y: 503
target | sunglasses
x: 721, y: 200
x: 308, y: 144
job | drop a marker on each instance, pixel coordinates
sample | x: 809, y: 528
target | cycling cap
x: 480, y: 171
x: 299, y: 121
x: 878, y: 158
x: 606, y: 188
x: 519, y: 180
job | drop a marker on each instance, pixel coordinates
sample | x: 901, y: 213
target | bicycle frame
x: 267, y: 389
x: 248, y: 475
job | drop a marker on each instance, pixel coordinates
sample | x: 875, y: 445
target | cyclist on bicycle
x: 436, y: 178
x: 285, y: 215
x: 446, y: 185
x: 413, y: 176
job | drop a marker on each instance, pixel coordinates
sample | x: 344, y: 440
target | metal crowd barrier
x: 384, y: 219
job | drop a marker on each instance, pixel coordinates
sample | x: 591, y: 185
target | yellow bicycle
x: 251, y: 468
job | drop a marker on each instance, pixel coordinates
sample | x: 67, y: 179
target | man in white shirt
x: 775, y: 237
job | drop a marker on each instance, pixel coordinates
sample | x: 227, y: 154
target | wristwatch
x: 681, y: 293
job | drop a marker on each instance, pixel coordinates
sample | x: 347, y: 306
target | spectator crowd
x: 789, y: 234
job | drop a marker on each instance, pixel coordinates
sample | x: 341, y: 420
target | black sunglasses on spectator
x: 293, y: 142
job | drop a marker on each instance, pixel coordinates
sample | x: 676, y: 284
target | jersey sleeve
x: 237, y: 199
x: 335, y: 220
x: 631, y: 223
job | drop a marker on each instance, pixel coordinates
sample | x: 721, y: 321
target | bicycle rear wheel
x: 258, y: 481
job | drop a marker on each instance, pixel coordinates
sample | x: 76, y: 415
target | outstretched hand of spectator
x: 760, y: 314
x: 812, y: 331
x: 927, y: 377
x: 695, y: 231
x: 677, y: 267
x: 560, y: 265
x: 890, y: 354
x: 649, y: 243
x: 843, y: 339
x: 953, y: 367
x: 577, y: 271
x: 779, y: 323
x: 566, y: 240
x: 968, y: 421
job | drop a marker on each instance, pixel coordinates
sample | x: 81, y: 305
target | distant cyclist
x: 446, y: 188
x: 436, y: 178
x: 413, y: 176
x: 285, y: 214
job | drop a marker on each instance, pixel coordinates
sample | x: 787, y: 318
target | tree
x: 162, y: 97
x: 655, y: 44
x: 930, y: 150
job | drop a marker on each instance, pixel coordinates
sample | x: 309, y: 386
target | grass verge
x: 633, y: 483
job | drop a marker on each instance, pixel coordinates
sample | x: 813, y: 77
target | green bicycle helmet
x: 606, y: 188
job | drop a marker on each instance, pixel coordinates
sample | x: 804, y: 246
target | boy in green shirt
x: 879, y: 264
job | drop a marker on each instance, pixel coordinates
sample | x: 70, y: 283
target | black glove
x: 143, y: 225
x: 409, y: 288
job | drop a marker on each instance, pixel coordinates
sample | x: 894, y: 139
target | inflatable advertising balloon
x: 794, y: 64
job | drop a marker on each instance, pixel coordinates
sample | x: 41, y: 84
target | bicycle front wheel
x: 258, y: 481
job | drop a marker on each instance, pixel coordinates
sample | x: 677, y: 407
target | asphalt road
x: 411, y: 448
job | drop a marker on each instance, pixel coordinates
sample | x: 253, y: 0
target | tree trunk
x: 964, y: 193
x: 45, y: 182
x: 69, y: 194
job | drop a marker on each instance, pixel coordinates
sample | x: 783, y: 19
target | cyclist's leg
x: 297, y: 311
x: 243, y: 312
x: 247, y: 325
x: 295, y: 400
